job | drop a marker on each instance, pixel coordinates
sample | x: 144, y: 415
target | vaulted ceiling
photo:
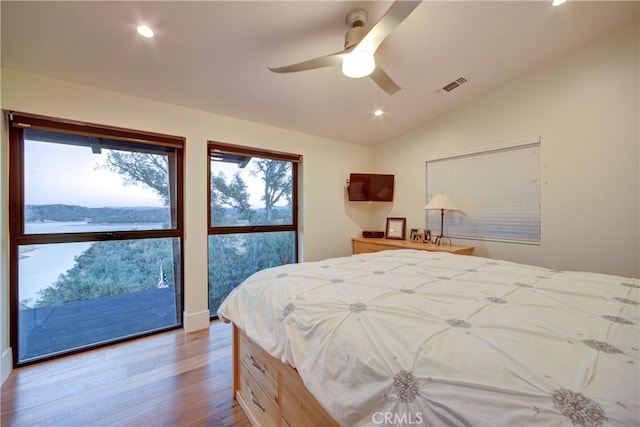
x: 213, y: 55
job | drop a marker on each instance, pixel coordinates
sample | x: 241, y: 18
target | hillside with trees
x: 111, y: 268
x: 60, y: 212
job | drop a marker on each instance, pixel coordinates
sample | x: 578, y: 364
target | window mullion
x: 251, y: 229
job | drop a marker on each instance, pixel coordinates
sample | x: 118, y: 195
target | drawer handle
x: 254, y: 400
x: 255, y: 364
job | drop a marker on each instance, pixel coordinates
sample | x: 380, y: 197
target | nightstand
x: 362, y: 245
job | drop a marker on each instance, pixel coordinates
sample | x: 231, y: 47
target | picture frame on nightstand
x: 413, y: 232
x: 396, y: 228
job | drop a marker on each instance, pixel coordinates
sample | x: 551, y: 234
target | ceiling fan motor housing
x: 353, y: 36
x: 356, y: 20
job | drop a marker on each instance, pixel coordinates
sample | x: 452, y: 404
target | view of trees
x: 114, y: 267
x: 230, y: 201
x: 234, y: 257
x: 39, y: 213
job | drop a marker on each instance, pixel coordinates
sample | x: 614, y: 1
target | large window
x: 253, y: 216
x: 497, y: 191
x: 96, y: 235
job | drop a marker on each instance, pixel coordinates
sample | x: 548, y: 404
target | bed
x: 407, y: 337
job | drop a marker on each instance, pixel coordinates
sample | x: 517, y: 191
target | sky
x: 68, y: 174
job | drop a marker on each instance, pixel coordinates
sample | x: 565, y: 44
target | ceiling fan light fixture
x: 357, y: 64
x: 145, y: 31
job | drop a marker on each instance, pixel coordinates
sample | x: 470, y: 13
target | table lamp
x: 442, y: 202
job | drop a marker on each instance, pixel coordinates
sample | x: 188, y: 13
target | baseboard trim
x: 6, y: 365
x: 195, y: 321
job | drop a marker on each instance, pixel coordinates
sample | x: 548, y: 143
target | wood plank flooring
x: 169, y: 379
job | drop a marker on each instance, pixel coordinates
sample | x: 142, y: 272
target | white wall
x: 585, y: 108
x: 327, y: 220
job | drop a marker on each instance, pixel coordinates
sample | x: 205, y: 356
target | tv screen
x: 367, y: 187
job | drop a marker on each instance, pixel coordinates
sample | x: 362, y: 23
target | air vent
x: 454, y: 84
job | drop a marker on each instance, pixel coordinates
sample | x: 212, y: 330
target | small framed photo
x: 414, y: 231
x: 418, y: 236
x: 396, y: 228
x: 427, y: 236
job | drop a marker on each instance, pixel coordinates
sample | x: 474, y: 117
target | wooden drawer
x: 260, y: 365
x: 366, y: 247
x: 299, y: 407
x: 270, y: 392
x: 260, y: 406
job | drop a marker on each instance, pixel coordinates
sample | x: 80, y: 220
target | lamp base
x: 439, y: 240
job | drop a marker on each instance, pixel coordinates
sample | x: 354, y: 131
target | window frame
x: 225, y: 148
x: 17, y: 123
x: 215, y: 147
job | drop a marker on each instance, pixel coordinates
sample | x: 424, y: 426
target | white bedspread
x: 407, y: 337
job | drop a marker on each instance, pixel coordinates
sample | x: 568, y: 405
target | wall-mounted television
x: 369, y: 187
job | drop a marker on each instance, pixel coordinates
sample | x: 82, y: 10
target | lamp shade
x: 359, y: 63
x: 441, y: 201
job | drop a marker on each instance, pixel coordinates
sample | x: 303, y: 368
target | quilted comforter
x: 406, y: 337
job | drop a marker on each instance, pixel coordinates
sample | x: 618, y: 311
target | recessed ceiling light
x: 378, y: 113
x: 145, y: 31
x: 557, y: 2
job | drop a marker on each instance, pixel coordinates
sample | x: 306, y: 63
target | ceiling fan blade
x: 383, y: 80
x: 397, y: 13
x: 333, y: 60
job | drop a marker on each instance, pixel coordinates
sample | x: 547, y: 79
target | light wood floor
x: 170, y: 379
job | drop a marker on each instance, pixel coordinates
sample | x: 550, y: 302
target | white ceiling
x: 213, y: 55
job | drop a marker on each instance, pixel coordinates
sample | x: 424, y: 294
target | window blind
x: 497, y: 191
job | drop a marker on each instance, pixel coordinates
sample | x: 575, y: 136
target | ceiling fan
x: 357, y: 59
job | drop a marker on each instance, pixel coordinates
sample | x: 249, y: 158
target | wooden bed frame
x: 270, y: 392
